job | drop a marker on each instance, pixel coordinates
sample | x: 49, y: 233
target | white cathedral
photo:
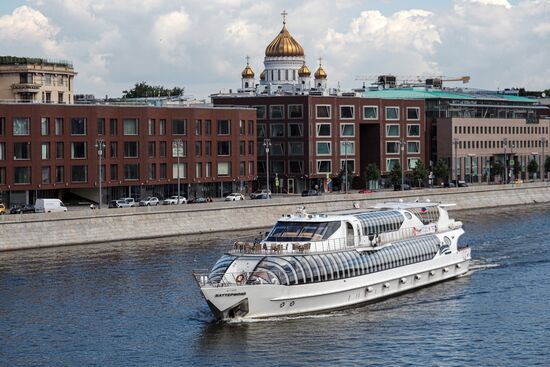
x: 285, y: 70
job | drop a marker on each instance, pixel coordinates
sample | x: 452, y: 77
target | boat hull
x: 265, y: 301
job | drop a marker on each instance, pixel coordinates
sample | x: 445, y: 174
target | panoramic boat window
x: 301, y: 231
x: 217, y: 272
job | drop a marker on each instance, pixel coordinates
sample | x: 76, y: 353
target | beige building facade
x: 36, y: 80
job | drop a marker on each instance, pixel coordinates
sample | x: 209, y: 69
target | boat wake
x: 286, y: 318
x: 478, y: 266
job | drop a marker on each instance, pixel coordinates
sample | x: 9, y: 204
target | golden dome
x: 262, y: 75
x: 320, y: 73
x: 284, y: 45
x: 304, y: 71
x: 247, y: 72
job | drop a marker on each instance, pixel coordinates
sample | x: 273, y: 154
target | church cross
x: 284, y: 14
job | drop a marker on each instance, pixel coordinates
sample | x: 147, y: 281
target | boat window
x: 303, y: 231
x: 318, y: 268
x: 408, y: 215
x: 220, y: 267
x: 309, y: 275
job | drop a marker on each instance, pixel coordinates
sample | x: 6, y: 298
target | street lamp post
x: 179, y: 146
x: 402, y: 143
x: 346, y: 144
x: 542, y: 160
x: 267, y: 144
x: 456, y: 142
x: 100, y: 145
x: 505, y: 144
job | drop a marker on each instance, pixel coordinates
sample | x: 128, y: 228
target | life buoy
x: 240, y: 278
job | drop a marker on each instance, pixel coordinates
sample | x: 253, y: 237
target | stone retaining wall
x: 212, y: 219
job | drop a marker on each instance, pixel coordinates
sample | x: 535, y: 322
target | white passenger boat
x: 310, y: 263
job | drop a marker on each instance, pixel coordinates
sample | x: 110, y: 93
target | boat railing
x: 202, y: 277
x: 371, y: 241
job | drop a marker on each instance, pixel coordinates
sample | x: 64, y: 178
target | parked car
x: 461, y: 183
x: 261, y: 194
x: 120, y: 203
x: 149, y: 201
x: 22, y: 209
x: 2, y: 209
x: 173, y: 200
x: 365, y: 191
x: 234, y: 196
x: 311, y: 192
x: 398, y: 187
x: 49, y: 206
x: 198, y: 200
x: 448, y: 184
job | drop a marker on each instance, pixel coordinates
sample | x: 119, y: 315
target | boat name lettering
x: 230, y: 294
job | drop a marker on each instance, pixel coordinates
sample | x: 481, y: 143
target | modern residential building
x: 51, y: 150
x: 25, y: 79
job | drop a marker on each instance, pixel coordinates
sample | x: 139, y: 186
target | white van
x: 49, y: 206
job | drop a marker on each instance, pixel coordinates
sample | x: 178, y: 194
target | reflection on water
x: 137, y: 304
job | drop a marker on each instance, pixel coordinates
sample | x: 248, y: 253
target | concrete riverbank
x: 211, y: 220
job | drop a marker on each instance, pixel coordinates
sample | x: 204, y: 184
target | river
x: 137, y: 305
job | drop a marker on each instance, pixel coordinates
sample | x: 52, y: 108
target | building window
x: 370, y: 112
x: 224, y: 169
x: 413, y: 113
x: 59, y: 150
x: 100, y: 126
x: 413, y: 130
x: 22, y: 175
x: 348, y: 162
x: 163, y: 171
x: 208, y: 169
x: 413, y: 147
x: 131, y: 171
x: 241, y: 127
x: 21, y: 126
x: 59, y: 174
x: 392, y: 130
x: 44, y: 126
x: 179, y: 127
x: 45, y: 175
x: 22, y: 151
x: 251, y: 148
x: 242, y: 167
x: 250, y: 127
x: 151, y: 149
x: 324, y: 166
x: 323, y: 131
x: 224, y: 127
x: 198, y: 169
x: 242, y: 148
x: 2, y: 151
x: 114, y: 172
x: 261, y: 112
x: 198, y: 127
x: 113, y: 127
x: 130, y: 126
x: 277, y: 149
x: 198, y: 148
x: 78, y: 126
x: 162, y: 149
x: 347, y: 112
x: 392, y: 147
x: 45, y: 150
x: 296, y: 167
x: 2, y: 175
x: 295, y: 111
x: 162, y: 127
x: 130, y: 149
x: 179, y: 171
x: 392, y: 113
x: 151, y: 171
x: 2, y: 126
x: 296, y: 130
x: 224, y: 148
x: 277, y: 130
x: 179, y: 150
x: 207, y: 127
x: 391, y: 163
x: 208, y: 148
x: 260, y: 131
x: 296, y: 148
x: 78, y: 150
x: 347, y: 148
x: 412, y: 162
x: 324, y: 148
x: 114, y: 149
x: 347, y: 130
x: 151, y: 127
x: 79, y: 173
x: 323, y: 111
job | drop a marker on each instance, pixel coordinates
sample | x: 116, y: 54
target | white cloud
x: 170, y: 32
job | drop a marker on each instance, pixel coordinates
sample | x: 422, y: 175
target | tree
x: 533, y: 167
x: 441, y: 171
x: 419, y: 172
x: 143, y: 90
x: 395, y: 174
x: 547, y: 164
x: 372, y: 173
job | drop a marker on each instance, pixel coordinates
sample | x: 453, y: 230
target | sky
x: 201, y: 45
